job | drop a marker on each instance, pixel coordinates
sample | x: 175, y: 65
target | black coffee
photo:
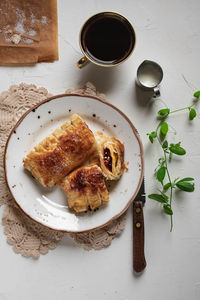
x: 108, y: 39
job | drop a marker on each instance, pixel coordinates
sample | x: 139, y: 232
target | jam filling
x: 108, y: 159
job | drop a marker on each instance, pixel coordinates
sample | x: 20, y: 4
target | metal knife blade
x: 139, y: 261
x: 141, y: 195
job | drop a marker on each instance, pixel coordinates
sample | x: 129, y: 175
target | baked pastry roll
x: 58, y: 154
x: 111, y: 155
x: 85, y: 188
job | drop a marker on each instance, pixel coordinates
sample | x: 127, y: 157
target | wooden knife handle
x: 139, y: 262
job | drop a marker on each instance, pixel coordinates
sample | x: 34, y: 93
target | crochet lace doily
x: 26, y: 236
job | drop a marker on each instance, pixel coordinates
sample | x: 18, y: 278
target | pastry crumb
x: 99, y: 132
x: 126, y: 166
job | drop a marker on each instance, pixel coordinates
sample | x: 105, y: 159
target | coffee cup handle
x: 82, y: 62
x: 156, y: 92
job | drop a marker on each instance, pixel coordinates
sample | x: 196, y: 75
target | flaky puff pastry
x: 85, y: 188
x: 111, y: 155
x: 61, y: 152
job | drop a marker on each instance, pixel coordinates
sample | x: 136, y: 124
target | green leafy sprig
x: 186, y: 184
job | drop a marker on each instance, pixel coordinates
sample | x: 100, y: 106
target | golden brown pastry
x: 85, y: 188
x: 64, y: 150
x: 111, y: 155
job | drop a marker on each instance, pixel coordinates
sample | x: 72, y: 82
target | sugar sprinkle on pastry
x: 65, y: 149
x: 85, y: 188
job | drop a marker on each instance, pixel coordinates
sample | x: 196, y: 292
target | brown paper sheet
x: 28, y: 31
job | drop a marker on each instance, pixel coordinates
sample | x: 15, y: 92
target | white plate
x: 49, y: 206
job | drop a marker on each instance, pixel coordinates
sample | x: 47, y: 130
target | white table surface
x: 169, y: 33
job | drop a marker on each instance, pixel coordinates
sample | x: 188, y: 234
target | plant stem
x: 168, y: 175
x: 184, y: 108
x: 174, y: 111
x: 189, y: 83
x: 163, y: 161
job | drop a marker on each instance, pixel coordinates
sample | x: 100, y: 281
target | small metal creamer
x: 149, y: 76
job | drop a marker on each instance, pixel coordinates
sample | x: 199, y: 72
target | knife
x: 139, y: 261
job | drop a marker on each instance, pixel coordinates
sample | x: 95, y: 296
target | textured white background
x: 169, y: 33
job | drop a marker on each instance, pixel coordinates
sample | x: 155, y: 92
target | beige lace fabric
x: 25, y: 235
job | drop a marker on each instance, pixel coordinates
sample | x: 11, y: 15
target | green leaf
x: 192, y: 113
x: 152, y: 136
x: 164, y: 112
x: 151, y: 139
x: 164, y: 129
x: 186, y: 179
x: 165, y: 145
x: 161, y: 160
x: 175, y: 180
x: 167, y: 209
x: 165, y: 196
x: 178, y: 144
x: 161, y: 174
x: 177, y: 149
x: 185, y: 186
x: 167, y: 186
x: 158, y: 198
x: 197, y: 94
